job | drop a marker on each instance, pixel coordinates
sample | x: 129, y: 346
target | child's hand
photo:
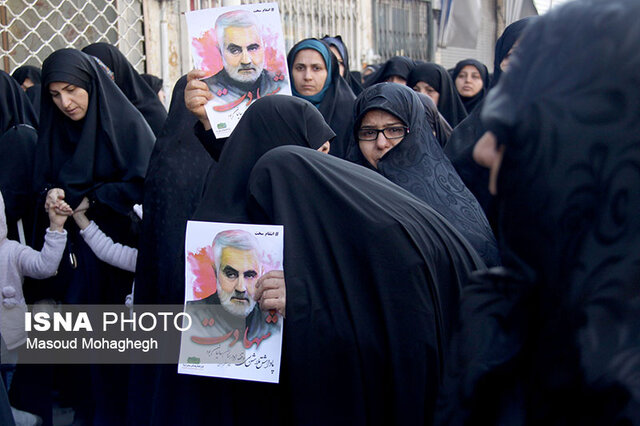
x: 79, y: 214
x: 58, y: 214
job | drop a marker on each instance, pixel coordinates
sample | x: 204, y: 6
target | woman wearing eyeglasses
x: 393, y: 136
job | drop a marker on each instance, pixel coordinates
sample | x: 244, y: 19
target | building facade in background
x: 153, y: 36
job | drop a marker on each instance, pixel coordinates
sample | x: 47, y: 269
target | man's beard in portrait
x: 244, y: 77
x: 233, y: 308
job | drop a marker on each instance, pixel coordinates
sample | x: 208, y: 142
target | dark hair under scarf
x: 354, y: 84
x: 131, y: 83
x: 104, y: 154
x: 154, y: 82
x: 269, y: 122
x: 561, y: 326
x: 449, y: 103
x: 336, y: 98
x: 459, y: 148
x: 471, y: 103
x: 400, y: 66
x: 418, y: 165
x: 18, y: 138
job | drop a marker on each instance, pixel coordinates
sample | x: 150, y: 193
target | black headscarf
x: 337, y: 104
x: 172, y: 189
x: 449, y: 103
x: 35, y: 75
x: 355, y: 84
x: 131, y: 83
x: 269, y: 122
x: 106, y: 153
x: 18, y: 138
x: 27, y: 71
x: 15, y: 107
x: 471, y: 103
x: 372, y: 278
x: 442, y: 130
x: 559, y: 333
x: 504, y: 44
x: 397, y: 65
x: 418, y: 165
x: 459, y: 148
x: 154, y: 82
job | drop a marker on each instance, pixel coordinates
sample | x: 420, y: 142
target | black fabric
x: 449, y: 103
x: 352, y: 80
x: 15, y: 107
x: 555, y: 339
x: 418, y: 165
x: 471, y: 103
x: 269, y: 122
x: 372, y: 279
x: 459, y: 148
x: 131, y: 83
x: 336, y: 107
x: 397, y: 65
x: 509, y: 36
x: 27, y: 71
x: 173, y: 187
x: 106, y: 153
x: 441, y: 129
x: 33, y: 93
x: 154, y: 82
x: 18, y: 138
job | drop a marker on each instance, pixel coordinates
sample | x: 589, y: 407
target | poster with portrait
x: 242, y: 50
x: 229, y: 335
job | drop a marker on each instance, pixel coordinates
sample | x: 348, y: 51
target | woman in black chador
x: 471, y: 79
x: 554, y: 337
x: 29, y: 78
x: 92, y: 143
x: 131, y: 83
x: 18, y: 136
x: 466, y: 134
x: 434, y: 81
x: 373, y: 278
x: 315, y: 77
x: 408, y: 154
x: 395, y: 70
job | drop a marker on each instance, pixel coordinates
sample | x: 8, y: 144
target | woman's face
x: 72, y: 100
x: 374, y: 121
x: 425, y: 89
x: 469, y: 81
x: 336, y: 52
x: 309, y: 72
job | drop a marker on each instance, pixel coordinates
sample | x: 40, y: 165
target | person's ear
x: 325, y: 147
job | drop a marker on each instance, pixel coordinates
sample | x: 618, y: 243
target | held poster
x: 230, y: 336
x: 242, y: 50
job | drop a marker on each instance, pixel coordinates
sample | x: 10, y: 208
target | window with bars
x: 33, y: 29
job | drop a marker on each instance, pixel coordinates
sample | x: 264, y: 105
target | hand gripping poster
x: 231, y: 271
x: 242, y: 49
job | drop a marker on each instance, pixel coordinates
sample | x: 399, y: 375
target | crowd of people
x: 461, y: 247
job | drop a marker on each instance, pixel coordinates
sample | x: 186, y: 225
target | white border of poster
x: 216, y: 345
x: 229, y: 103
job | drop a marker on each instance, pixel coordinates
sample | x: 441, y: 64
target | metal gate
x: 33, y: 29
x: 403, y: 27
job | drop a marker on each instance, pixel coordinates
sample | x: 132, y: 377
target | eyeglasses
x: 388, y: 132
